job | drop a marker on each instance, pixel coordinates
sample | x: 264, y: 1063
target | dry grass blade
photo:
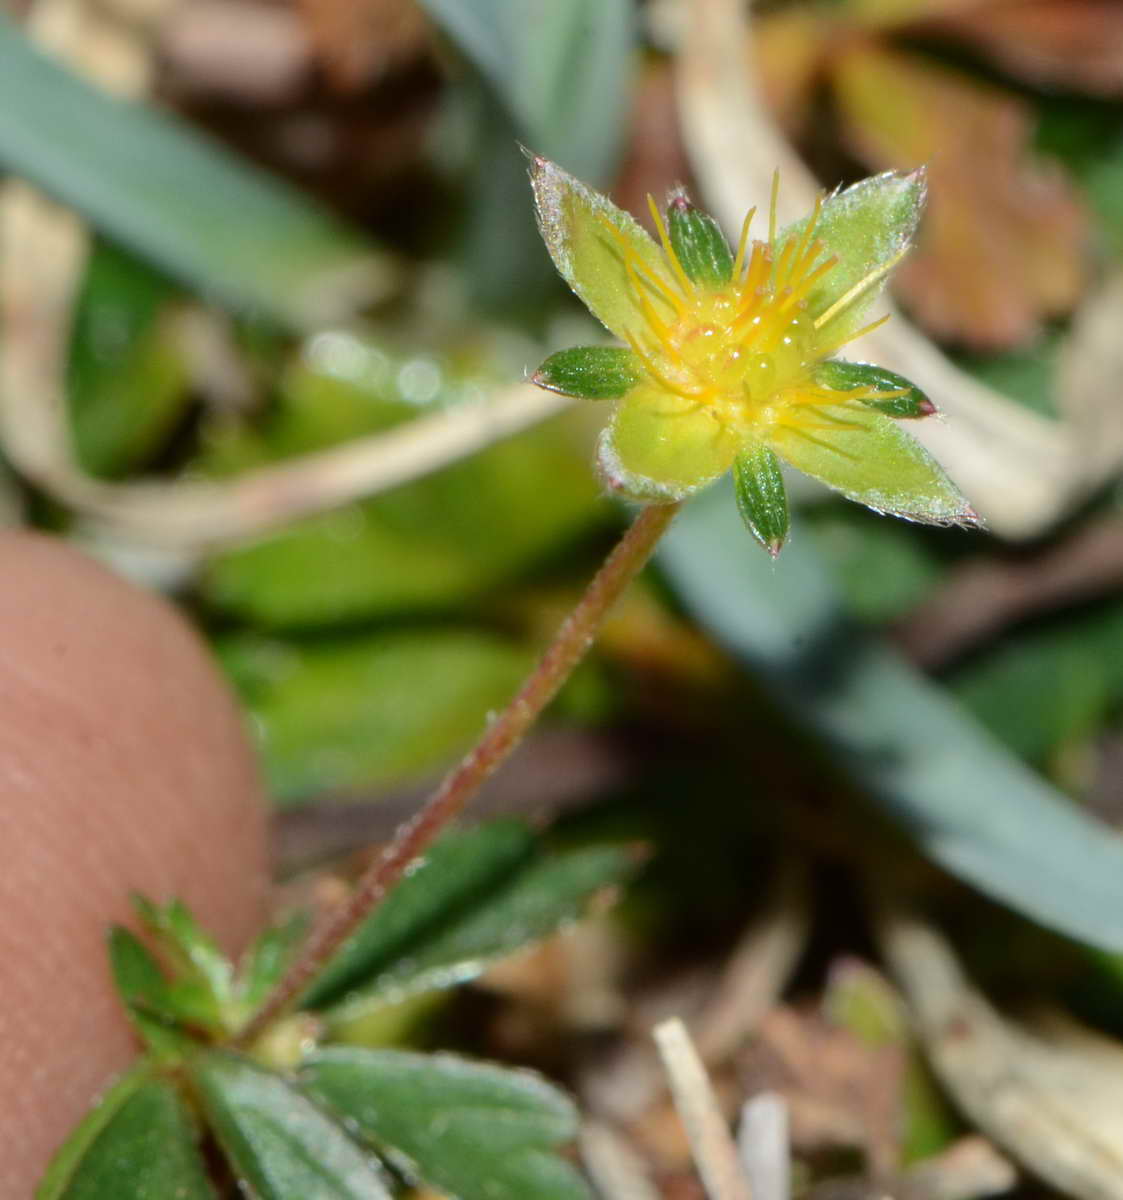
x: 710, y: 1140
x: 754, y: 978
x: 762, y: 1140
x: 616, y: 1169
x: 1019, y: 469
x: 1052, y: 1099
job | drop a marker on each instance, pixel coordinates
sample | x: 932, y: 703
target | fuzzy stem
x: 501, y: 737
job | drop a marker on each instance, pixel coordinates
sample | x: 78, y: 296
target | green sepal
x: 846, y: 376
x: 698, y: 243
x: 149, y: 1000
x: 761, y: 497
x: 471, y: 1130
x: 280, y: 1145
x: 267, y: 958
x: 190, y: 952
x: 871, y: 459
x: 592, y: 242
x: 590, y: 372
x: 136, y: 1143
x: 868, y: 227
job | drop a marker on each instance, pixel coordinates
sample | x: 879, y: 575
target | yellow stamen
x: 668, y: 249
x: 743, y: 243
x: 632, y: 259
x: 809, y: 281
x: 656, y: 371
x: 833, y: 347
x: 773, y: 203
x: 860, y: 288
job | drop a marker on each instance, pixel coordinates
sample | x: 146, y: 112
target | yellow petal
x: 662, y: 447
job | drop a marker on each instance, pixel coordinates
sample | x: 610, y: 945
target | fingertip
x: 123, y: 767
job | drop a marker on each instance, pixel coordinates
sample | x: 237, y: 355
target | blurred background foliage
x: 288, y: 227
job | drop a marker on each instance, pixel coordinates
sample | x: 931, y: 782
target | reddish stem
x: 502, y: 735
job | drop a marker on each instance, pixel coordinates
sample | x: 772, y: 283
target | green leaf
x: 761, y: 497
x: 368, y: 710
x: 177, y: 199
x: 661, y: 447
x: 562, y: 70
x: 137, y: 1143
x: 846, y: 376
x: 460, y: 870
x: 699, y: 243
x: 590, y: 372
x: 136, y: 973
x: 267, y: 958
x: 127, y: 379
x: 151, y: 1003
x: 967, y: 802
x: 868, y: 458
x: 191, y: 951
x: 423, y: 547
x: 470, y: 1130
x: 530, y: 904
x: 591, y: 242
x: 280, y: 1144
x: 868, y: 226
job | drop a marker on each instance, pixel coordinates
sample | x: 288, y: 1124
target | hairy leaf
x: 282, y: 1146
x: 530, y: 904
x: 137, y: 1143
x: 471, y: 1130
x: 460, y: 870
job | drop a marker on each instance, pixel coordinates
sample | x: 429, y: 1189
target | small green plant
x: 297, y: 1112
x: 728, y: 365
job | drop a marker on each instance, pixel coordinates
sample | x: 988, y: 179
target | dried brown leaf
x: 1074, y: 44
x: 841, y: 1092
x: 1002, y: 244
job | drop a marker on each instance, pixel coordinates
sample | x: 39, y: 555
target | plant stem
x: 501, y: 737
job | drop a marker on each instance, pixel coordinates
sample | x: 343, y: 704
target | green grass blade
x: 221, y: 226
x: 968, y: 803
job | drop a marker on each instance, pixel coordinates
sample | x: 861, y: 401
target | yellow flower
x: 728, y: 360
